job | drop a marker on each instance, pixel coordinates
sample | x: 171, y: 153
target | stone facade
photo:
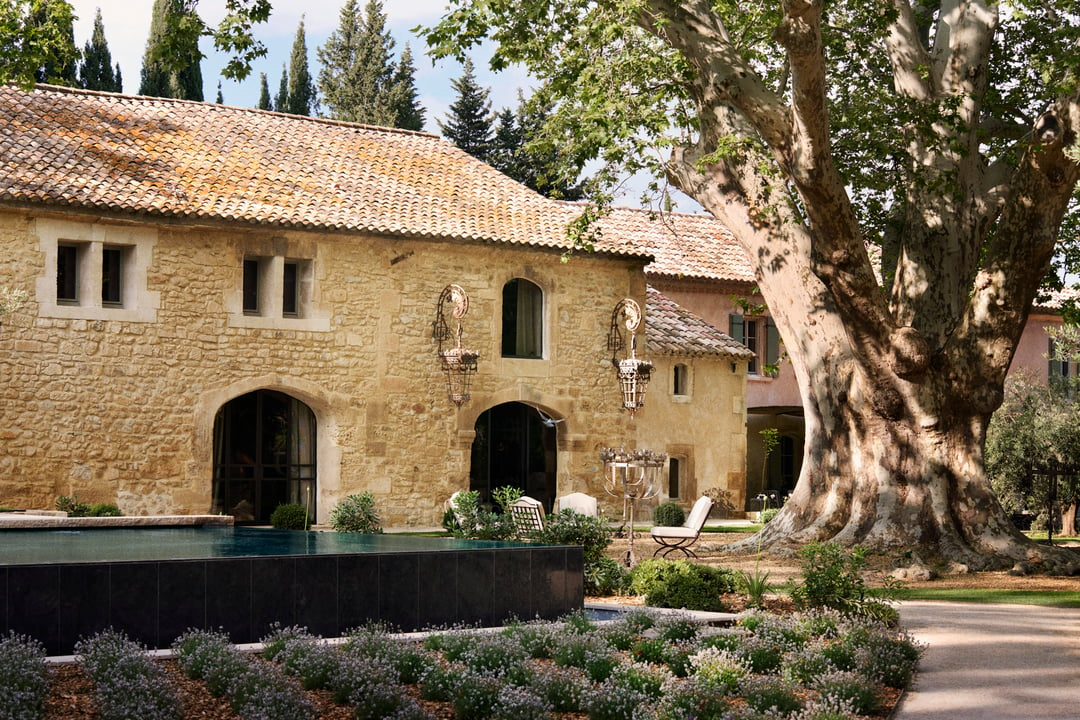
x: 123, y: 410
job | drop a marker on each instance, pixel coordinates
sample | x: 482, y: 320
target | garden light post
x: 631, y: 475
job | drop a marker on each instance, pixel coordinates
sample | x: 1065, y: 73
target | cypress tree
x: 469, y: 122
x: 157, y: 78
x: 96, y: 69
x: 357, y: 76
x: 264, y: 94
x: 301, y: 100
x: 408, y: 112
x: 281, y: 102
x: 220, y: 99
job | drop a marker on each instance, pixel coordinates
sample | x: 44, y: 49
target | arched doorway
x: 514, y: 446
x: 264, y: 455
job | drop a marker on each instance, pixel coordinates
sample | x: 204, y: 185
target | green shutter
x: 737, y: 327
x: 772, y: 342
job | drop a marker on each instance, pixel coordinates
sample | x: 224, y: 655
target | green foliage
x: 302, y: 93
x: 359, y: 79
x: 668, y: 514
x: 756, y: 586
x: 127, y: 682
x: 171, y: 68
x: 475, y: 523
x: 96, y: 70
x: 290, y: 516
x: 606, y: 576
x: 505, y: 496
x: 833, y: 578
x: 768, y: 514
x: 103, y: 510
x: 24, y: 678
x: 37, y: 42
x: 469, y: 124
x: 73, y: 506
x: 264, y: 94
x: 681, y: 584
x: 356, y: 513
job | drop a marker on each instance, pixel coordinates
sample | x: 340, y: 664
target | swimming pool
x: 155, y: 583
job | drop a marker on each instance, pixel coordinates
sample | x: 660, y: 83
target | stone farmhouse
x: 230, y: 308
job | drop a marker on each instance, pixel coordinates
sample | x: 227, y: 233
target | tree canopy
x: 172, y: 69
x: 470, y: 123
x: 96, y: 71
x: 943, y: 132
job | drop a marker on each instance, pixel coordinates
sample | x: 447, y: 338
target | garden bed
x: 575, y: 670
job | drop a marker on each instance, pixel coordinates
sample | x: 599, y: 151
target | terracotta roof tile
x: 204, y: 161
x: 683, y: 245
x: 670, y: 329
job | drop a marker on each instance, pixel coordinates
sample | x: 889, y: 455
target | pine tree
x: 264, y: 94
x: 357, y: 73
x: 469, y: 122
x: 55, y: 17
x: 281, y: 102
x: 507, y: 144
x: 302, y: 99
x: 96, y: 68
x: 157, y: 79
x: 408, y: 112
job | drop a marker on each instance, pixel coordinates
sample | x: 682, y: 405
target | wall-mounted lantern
x: 633, y: 373
x: 457, y: 363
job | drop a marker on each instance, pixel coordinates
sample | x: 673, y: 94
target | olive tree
x: 940, y: 134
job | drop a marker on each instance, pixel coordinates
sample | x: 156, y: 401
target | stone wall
x: 123, y: 410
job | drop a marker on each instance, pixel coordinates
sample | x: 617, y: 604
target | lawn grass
x: 1040, y: 536
x: 731, y: 528
x: 1046, y: 598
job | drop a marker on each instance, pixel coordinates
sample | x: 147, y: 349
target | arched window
x: 522, y: 319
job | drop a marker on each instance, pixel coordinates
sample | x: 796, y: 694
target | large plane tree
x: 940, y: 137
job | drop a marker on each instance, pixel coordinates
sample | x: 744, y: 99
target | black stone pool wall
x: 156, y: 601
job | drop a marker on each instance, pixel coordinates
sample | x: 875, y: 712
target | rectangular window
x: 67, y: 274
x: 290, y: 287
x: 251, y: 287
x: 112, y: 272
x: 674, y: 468
x: 750, y: 340
x: 680, y: 381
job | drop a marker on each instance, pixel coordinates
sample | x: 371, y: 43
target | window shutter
x: 737, y: 333
x: 772, y: 342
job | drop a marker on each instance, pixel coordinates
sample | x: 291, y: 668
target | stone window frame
x: 91, y: 240
x: 269, y: 312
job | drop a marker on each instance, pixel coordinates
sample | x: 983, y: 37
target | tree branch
x: 907, y: 53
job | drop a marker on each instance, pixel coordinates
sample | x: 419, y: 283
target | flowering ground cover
x: 817, y: 665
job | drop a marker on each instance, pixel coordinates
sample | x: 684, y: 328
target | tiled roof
x: 670, y: 329
x: 1056, y: 300
x: 208, y: 162
x: 696, y: 247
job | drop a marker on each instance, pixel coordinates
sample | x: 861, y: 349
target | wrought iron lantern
x: 632, y: 475
x: 457, y: 363
x: 633, y: 373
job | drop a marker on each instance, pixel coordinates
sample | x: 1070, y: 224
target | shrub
x: 641, y: 678
x: 24, y: 680
x: 588, y: 652
x: 681, y: 584
x: 103, y: 510
x: 613, y: 701
x: 356, y: 513
x: 290, y: 516
x: 128, y: 684
x: 567, y: 527
x: 302, y: 654
x: 804, y: 665
x: 768, y: 514
x: 72, y: 506
x: 535, y: 637
x: 475, y: 696
x: 260, y: 692
x: 668, y: 514
x: 831, y: 577
x: 439, y: 682
x: 200, y: 653
x: 692, y: 699
x: 763, y: 692
x: 497, y: 656
x: 606, y: 576
x: 563, y: 687
x: 719, y: 667
x: 887, y: 658
x: 514, y: 703
x: 474, y: 523
x: 852, y: 688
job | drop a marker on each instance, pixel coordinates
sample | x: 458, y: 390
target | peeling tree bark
x: 898, y: 390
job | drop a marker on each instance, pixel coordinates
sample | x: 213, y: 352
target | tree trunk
x: 1068, y: 520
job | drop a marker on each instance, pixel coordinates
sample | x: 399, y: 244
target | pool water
x: 97, y: 545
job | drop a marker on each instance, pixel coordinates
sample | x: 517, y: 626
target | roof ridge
x: 224, y: 106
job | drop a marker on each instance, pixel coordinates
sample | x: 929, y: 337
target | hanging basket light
x: 633, y: 373
x: 458, y: 364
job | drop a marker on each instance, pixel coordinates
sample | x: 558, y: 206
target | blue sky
x: 127, y: 24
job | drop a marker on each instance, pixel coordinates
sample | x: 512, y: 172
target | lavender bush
x: 23, y: 677
x: 128, y: 684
